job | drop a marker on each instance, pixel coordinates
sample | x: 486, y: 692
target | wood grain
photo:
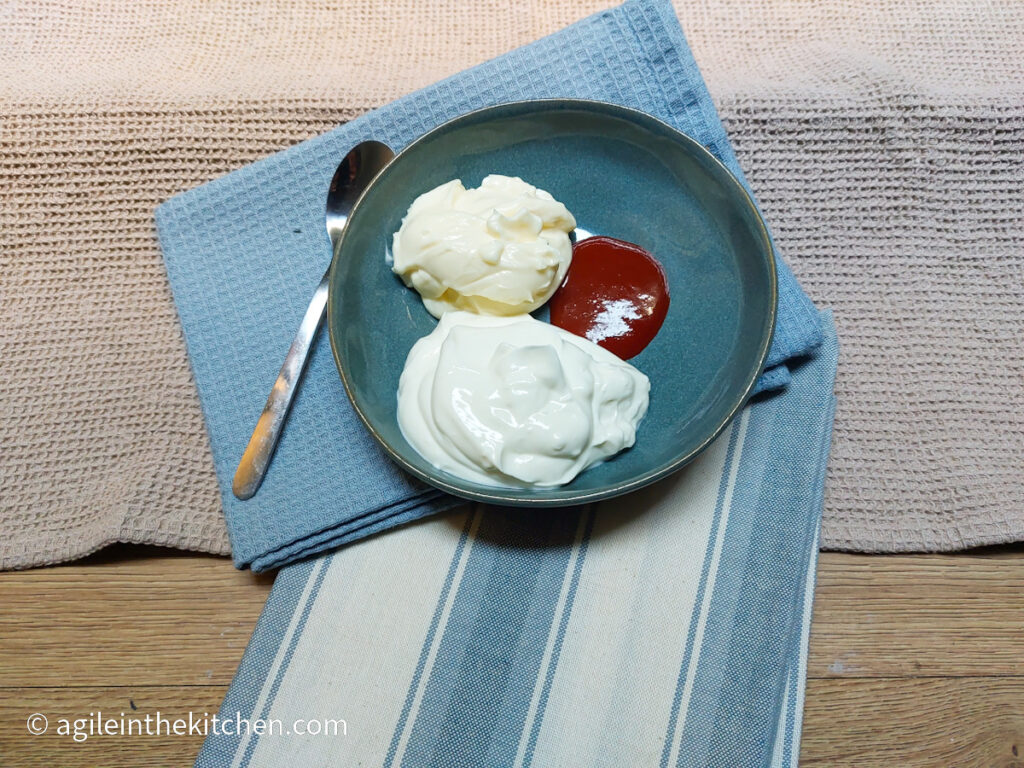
x: 133, y: 616
x: 892, y: 616
x: 20, y: 749
x: 966, y: 722
x: 915, y: 660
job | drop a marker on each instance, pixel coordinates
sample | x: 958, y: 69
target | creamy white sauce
x: 500, y: 249
x: 512, y: 401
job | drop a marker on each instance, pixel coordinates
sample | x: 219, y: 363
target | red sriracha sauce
x: 615, y: 294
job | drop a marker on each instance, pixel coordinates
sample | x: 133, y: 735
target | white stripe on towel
x: 709, y: 590
x: 282, y: 651
x: 645, y: 558
x: 363, y: 642
x: 549, y: 648
x: 436, y: 643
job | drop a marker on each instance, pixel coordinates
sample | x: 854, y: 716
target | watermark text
x: 98, y: 724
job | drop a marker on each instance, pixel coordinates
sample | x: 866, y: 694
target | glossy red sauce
x: 614, y: 294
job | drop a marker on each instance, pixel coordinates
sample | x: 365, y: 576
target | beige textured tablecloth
x: 883, y: 138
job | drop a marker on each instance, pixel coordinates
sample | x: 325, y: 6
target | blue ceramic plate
x: 624, y: 174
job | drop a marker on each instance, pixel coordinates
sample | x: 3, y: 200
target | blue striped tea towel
x: 244, y: 252
x: 666, y: 629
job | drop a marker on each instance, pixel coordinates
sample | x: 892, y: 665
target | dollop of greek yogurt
x: 514, y: 402
x: 499, y: 249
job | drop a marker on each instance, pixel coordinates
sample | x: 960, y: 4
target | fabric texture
x: 882, y: 138
x: 242, y: 252
x: 670, y: 631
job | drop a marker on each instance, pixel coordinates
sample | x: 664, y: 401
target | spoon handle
x: 260, y: 449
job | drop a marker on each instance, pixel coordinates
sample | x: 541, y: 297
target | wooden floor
x: 914, y: 661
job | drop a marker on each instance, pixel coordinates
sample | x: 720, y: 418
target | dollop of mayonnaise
x: 500, y: 249
x: 512, y: 401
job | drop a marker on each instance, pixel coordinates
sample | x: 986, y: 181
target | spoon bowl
x: 354, y: 174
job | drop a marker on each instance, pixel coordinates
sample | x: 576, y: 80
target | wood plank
x: 20, y: 748
x: 917, y: 615
x: 914, y: 723
x: 130, y: 616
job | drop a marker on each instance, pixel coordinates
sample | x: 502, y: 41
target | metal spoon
x: 360, y: 166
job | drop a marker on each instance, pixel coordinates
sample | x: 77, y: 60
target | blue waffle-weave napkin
x: 244, y: 252
x: 670, y: 631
